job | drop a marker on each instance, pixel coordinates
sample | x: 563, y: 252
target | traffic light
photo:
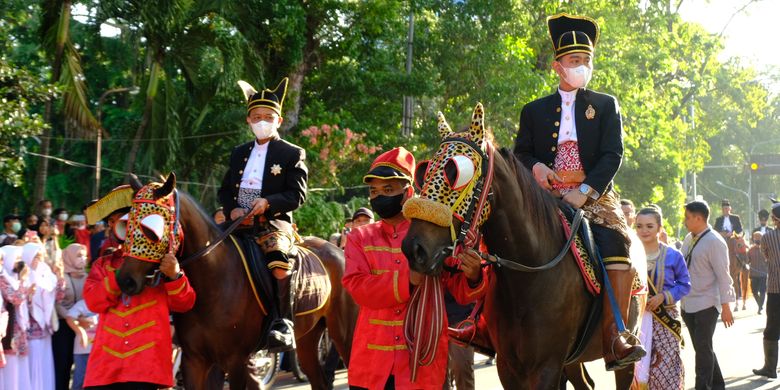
x: 764, y: 164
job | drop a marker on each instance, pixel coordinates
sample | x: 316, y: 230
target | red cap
x: 394, y: 164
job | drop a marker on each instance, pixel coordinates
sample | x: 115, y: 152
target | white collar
x: 568, y: 96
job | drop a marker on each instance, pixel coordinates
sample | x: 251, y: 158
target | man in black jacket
x: 572, y: 142
x: 727, y: 224
x: 267, y: 180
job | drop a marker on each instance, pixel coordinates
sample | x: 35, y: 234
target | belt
x: 571, y: 177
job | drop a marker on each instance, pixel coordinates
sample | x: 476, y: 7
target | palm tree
x: 67, y: 73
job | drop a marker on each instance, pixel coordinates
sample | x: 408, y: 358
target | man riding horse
x: 266, y: 181
x: 572, y: 142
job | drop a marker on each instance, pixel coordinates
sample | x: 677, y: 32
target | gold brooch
x: 276, y: 169
x: 590, y: 113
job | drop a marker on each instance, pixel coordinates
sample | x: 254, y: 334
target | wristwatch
x: 586, y: 190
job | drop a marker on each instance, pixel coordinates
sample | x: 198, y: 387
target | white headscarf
x: 11, y: 255
x: 45, y: 286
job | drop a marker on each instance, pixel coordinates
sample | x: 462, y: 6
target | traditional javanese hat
x: 724, y: 203
x: 572, y: 34
x: 118, y: 200
x: 273, y: 99
x: 394, y: 164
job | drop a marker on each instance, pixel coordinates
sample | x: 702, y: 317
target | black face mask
x: 387, y: 206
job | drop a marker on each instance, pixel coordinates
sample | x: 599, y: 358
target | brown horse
x: 224, y: 327
x: 738, y: 268
x: 534, y: 319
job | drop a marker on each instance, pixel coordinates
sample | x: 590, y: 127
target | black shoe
x: 281, y: 338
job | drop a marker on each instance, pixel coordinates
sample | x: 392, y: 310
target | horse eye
x: 459, y: 171
x: 419, y: 174
x: 153, y: 226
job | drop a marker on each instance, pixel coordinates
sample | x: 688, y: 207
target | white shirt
x: 727, y: 224
x: 567, y: 131
x: 255, y: 166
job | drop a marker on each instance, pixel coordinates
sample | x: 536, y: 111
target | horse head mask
x: 153, y: 230
x: 453, y: 189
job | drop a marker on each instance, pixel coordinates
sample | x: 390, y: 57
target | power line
x: 123, y: 173
x: 142, y: 139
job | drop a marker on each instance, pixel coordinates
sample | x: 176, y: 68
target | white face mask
x: 578, y: 77
x: 46, y: 212
x: 63, y: 217
x: 263, y: 129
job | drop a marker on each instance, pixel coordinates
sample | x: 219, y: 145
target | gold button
x: 557, y: 123
x: 235, y: 198
x: 555, y: 135
x: 241, y: 171
x: 244, y: 158
x: 553, y: 148
x: 236, y: 185
x: 557, y: 109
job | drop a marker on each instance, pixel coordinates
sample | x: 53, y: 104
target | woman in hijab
x: 47, y: 289
x: 74, y: 259
x: 15, y: 290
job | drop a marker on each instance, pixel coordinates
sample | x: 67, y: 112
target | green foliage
x: 20, y: 91
x: 319, y: 217
x: 349, y: 56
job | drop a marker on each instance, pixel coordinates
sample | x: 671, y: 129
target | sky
x: 749, y: 35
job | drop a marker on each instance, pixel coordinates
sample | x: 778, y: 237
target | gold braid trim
x: 428, y: 210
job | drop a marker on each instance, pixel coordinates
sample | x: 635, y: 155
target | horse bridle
x: 155, y: 277
x: 468, y: 237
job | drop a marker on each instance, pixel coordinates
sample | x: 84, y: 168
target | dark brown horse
x: 224, y: 328
x: 738, y: 268
x: 534, y: 319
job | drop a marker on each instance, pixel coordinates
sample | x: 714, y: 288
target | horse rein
x: 207, y: 249
x: 469, y: 237
x: 517, y: 266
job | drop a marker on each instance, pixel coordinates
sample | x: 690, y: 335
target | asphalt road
x: 739, y: 349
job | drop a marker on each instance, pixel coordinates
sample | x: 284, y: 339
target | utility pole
x: 408, y: 114
x: 693, y: 127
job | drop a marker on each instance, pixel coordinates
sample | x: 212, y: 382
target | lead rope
x: 424, y: 323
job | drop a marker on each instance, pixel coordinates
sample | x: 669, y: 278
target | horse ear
x: 477, y: 127
x: 444, y: 128
x: 135, y: 183
x: 167, y: 187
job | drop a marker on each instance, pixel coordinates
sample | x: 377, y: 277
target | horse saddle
x: 310, y: 282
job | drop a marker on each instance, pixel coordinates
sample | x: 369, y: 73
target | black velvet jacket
x: 736, y: 223
x: 285, y: 191
x: 600, y: 138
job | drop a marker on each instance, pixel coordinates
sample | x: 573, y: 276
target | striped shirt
x: 770, y: 247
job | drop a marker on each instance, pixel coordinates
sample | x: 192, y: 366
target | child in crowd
x: 84, y: 324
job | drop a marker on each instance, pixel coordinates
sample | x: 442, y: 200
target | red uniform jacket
x: 133, y: 340
x: 377, y: 277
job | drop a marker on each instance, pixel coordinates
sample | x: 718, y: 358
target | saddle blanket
x: 587, y: 266
x: 310, y: 283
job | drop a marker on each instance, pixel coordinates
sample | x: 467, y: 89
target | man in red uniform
x: 379, y: 279
x: 132, y: 348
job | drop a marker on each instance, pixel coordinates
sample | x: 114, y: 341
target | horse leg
x: 308, y: 357
x: 624, y: 377
x: 578, y: 376
x: 238, y: 373
x: 196, y: 372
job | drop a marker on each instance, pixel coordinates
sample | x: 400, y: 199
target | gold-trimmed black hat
x: 572, y: 34
x: 273, y: 99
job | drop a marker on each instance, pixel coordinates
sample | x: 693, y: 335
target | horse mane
x: 539, y: 205
x: 188, y: 201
